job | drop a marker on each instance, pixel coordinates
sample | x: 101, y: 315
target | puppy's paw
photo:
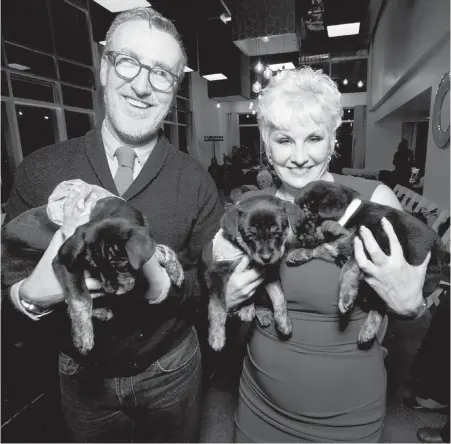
x: 284, y: 326
x: 247, y: 313
x: 366, y: 336
x: 264, y: 316
x: 169, y: 260
x: 216, y: 340
x: 104, y: 314
x: 299, y: 256
x: 84, y: 343
x: 344, y: 307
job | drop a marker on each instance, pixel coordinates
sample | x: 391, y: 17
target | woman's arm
x: 398, y: 283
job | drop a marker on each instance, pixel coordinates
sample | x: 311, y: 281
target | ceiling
x: 295, y: 28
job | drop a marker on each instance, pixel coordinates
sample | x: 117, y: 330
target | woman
x: 318, y: 386
x: 402, y: 160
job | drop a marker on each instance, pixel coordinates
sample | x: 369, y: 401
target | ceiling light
x: 218, y: 105
x: 360, y: 84
x: 259, y: 67
x: 253, y: 112
x: 122, y: 5
x: 267, y: 74
x: 20, y: 113
x: 265, y: 39
x: 256, y: 87
x: 225, y: 17
x: 277, y: 66
x: 345, y: 81
x: 344, y: 29
x: 103, y: 43
x: 187, y: 69
x: 46, y: 117
x: 18, y: 66
x: 217, y: 76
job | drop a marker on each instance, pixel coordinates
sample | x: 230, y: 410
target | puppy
x: 112, y: 247
x: 323, y: 237
x: 257, y: 226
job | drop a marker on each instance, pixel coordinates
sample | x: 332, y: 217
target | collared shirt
x: 112, y: 144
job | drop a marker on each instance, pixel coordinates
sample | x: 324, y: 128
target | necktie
x: 124, y: 175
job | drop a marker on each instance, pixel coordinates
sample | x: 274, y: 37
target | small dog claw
x: 264, y: 317
x: 344, y: 308
x: 284, y: 327
x: 247, y: 313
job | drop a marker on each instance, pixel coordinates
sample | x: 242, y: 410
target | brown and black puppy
x: 323, y: 237
x: 112, y: 247
x: 258, y: 227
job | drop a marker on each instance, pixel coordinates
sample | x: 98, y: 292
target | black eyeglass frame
x: 115, y: 54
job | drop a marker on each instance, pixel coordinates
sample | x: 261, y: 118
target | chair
x: 410, y: 200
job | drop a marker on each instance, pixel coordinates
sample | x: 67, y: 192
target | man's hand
x: 398, y: 283
x: 158, y: 280
x: 242, y: 283
x: 42, y: 287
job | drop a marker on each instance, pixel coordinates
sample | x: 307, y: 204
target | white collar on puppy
x: 352, y: 208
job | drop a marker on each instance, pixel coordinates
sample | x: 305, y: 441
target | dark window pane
x: 76, y: 74
x: 184, y: 87
x: 7, y: 171
x: 29, y: 61
x: 183, y: 138
x: 37, y: 127
x: 247, y: 119
x: 80, y: 98
x: 28, y: 23
x: 170, y: 131
x: 250, y: 138
x: 77, y: 124
x: 32, y: 89
x: 183, y: 105
x: 182, y: 117
x: 5, y: 89
x: 71, y: 32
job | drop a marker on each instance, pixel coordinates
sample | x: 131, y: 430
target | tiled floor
x: 401, y: 424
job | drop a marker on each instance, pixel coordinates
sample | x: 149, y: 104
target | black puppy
x: 112, y: 247
x: 323, y: 237
x: 257, y: 226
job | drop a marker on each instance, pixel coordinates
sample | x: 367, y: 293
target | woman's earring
x: 329, y: 158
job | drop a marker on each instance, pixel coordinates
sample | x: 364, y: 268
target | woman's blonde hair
x: 155, y: 20
x: 299, y: 95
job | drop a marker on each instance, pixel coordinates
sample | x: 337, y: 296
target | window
x: 183, y: 138
x: 348, y: 73
x: 29, y: 61
x: 27, y: 23
x: 81, y: 98
x: 35, y: 89
x: 76, y: 74
x: 77, y: 124
x: 170, y: 131
x: 247, y: 119
x: 7, y: 171
x: 5, y: 88
x: 70, y: 26
x: 37, y: 127
x: 184, y: 90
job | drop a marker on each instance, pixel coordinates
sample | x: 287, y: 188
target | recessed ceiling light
x: 122, y: 5
x: 18, y: 66
x: 212, y: 77
x: 265, y: 39
x: 277, y: 66
x: 343, y: 29
x: 103, y: 43
x: 187, y: 69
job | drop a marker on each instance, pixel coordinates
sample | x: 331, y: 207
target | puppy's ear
x: 73, y: 251
x: 230, y: 221
x: 140, y: 247
x: 295, y: 215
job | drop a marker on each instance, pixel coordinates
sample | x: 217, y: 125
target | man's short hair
x: 155, y: 20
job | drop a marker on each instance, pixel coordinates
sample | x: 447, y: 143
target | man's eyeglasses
x: 128, y: 68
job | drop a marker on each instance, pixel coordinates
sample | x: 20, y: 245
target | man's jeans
x: 162, y: 404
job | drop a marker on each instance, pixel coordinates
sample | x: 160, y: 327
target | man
x: 142, y: 380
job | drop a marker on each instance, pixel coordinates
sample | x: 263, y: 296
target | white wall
x: 410, y: 54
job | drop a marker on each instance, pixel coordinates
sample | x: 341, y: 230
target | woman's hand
x: 158, y: 280
x: 242, y: 283
x: 398, y: 283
